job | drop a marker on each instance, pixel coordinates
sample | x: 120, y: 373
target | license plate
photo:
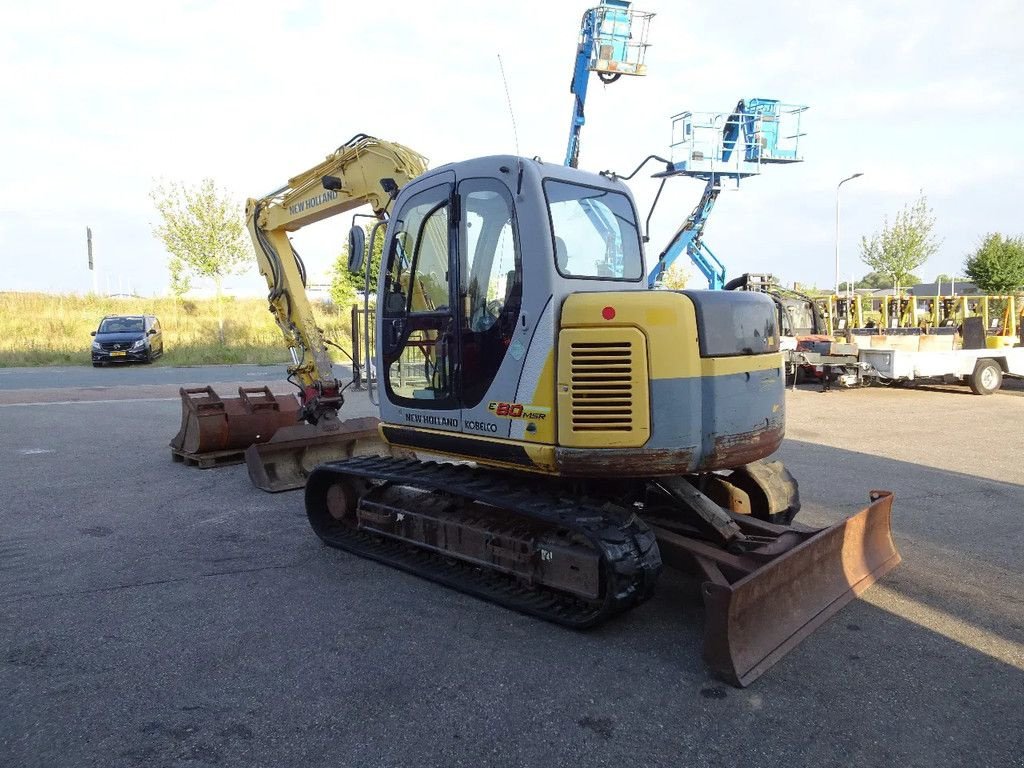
x: 118, y: 354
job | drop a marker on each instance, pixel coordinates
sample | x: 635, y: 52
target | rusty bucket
x: 284, y: 463
x: 210, y: 423
x: 753, y: 622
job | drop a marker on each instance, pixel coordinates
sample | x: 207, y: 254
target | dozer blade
x: 284, y: 463
x: 755, y: 621
x: 211, y: 424
x: 760, y: 605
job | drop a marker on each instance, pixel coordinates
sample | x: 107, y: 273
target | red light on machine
x: 608, y: 313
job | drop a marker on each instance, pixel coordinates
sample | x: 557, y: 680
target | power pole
x: 92, y: 267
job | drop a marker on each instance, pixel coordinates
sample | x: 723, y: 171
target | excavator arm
x: 279, y: 449
x: 362, y: 171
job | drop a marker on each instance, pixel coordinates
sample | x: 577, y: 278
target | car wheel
x: 987, y: 377
x: 97, y: 365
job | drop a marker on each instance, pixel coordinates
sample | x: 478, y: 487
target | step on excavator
x: 552, y: 432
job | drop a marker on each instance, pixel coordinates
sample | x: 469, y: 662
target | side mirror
x: 93, y: 333
x: 151, y: 332
x: 356, y: 249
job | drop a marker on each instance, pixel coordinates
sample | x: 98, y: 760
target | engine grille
x: 603, y: 387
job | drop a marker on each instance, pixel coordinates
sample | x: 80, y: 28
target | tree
x: 203, y: 230
x: 181, y: 280
x: 877, y: 280
x: 897, y: 249
x: 676, y: 276
x: 344, y: 285
x: 997, y: 266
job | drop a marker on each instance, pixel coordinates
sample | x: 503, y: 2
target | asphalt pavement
x: 153, y: 614
x: 83, y: 376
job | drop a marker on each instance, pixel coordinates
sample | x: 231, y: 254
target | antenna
x: 508, y: 98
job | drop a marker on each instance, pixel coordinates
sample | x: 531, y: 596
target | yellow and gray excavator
x: 555, y: 431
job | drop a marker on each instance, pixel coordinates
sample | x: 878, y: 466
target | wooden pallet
x: 208, y: 460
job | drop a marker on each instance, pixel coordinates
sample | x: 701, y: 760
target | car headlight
x: 96, y: 346
x: 140, y: 344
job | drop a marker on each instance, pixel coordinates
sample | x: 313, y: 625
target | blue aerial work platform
x: 612, y: 43
x: 718, y: 147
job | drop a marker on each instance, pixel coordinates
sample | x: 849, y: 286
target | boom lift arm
x: 363, y: 170
x: 612, y: 43
x: 689, y: 238
x: 720, y: 147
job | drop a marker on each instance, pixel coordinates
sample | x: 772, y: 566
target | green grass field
x: 53, y: 329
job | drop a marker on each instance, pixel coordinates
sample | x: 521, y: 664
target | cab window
x: 417, y: 325
x: 490, y: 285
x: 594, y: 232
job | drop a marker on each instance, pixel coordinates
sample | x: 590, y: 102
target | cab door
x: 490, y: 300
x: 417, y: 333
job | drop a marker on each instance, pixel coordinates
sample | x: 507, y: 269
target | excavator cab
x: 515, y: 286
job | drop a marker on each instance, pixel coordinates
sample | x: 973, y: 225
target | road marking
x: 94, y: 402
x: 35, y: 451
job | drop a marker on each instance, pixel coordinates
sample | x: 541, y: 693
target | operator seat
x: 562, y: 256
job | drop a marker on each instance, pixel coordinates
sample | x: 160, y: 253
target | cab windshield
x: 594, y: 232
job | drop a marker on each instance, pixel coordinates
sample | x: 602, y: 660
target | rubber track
x: 630, y: 560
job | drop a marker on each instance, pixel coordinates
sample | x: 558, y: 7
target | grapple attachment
x: 211, y: 424
x: 762, y: 603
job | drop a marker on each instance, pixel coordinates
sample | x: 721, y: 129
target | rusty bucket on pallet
x: 212, y: 424
x: 761, y: 604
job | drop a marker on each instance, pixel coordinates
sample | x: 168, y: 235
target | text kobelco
x: 481, y: 426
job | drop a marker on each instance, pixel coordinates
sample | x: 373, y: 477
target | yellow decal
x: 519, y: 411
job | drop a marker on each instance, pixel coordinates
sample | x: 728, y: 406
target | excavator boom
x: 362, y: 171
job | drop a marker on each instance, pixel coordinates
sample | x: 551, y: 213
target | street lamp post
x: 840, y: 184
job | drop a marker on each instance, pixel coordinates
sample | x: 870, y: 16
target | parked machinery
x: 601, y: 430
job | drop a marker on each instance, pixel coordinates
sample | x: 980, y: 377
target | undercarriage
x: 579, y: 552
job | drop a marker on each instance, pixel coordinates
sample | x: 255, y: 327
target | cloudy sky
x: 100, y: 100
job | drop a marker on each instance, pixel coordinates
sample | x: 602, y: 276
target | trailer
x: 981, y: 369
x: 905, y: 358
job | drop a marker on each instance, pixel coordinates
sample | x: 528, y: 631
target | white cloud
x: 106, y: 99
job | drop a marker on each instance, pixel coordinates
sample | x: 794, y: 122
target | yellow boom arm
x: 363, y: 171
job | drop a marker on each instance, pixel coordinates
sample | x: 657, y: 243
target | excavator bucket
x: 283, y: 463
x: 214, y: 428
x: 759, y: 606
